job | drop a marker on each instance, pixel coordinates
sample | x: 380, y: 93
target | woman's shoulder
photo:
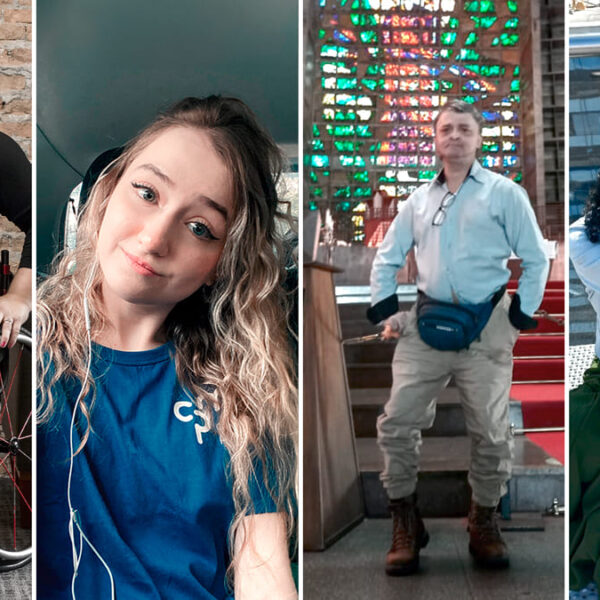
x: 578, y: 239
x: 584, y: 254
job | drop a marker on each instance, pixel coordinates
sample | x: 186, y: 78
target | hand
x: 15, y: 307
x: 389, y: 333
x: 14, y: 311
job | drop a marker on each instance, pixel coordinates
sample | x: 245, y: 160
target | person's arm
x: 15, y: 307
x: 15, y: 191
x: 389, y: 258
x: 525, y: 238
x: 15, y: 204
x: 263, y: 569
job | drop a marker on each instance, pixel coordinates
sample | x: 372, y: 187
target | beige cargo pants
x: 482, y: 374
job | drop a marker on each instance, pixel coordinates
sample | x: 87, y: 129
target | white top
x: 585, y: 256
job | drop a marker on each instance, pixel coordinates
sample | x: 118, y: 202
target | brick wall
x: 15, y: 97
x: 15, y: 71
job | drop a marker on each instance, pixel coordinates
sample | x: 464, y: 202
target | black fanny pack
x: 448, y: 326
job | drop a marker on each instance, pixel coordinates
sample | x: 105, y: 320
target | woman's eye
x: 201, y: 230
x: 144, y: 192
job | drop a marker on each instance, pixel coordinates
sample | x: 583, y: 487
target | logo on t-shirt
x: 187, y: 411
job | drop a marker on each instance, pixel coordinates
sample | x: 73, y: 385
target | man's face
x: 457, y: 137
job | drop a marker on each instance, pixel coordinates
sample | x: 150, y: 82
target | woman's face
x: 166, y: 222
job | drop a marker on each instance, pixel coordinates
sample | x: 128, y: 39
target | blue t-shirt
x: 151, y: 488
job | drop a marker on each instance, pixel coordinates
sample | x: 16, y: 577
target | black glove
x: 517, y: 317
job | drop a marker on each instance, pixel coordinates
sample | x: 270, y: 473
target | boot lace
x: 484, y: 521
x: 405, y: 527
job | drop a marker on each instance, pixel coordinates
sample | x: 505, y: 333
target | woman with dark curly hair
x: 168, y: 401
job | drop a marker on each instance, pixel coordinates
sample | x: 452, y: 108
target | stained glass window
x: 384, y: 68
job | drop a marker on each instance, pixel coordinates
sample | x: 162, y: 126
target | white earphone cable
x: 73, y: 514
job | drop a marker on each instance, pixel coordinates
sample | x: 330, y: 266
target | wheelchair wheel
x: 15, y: 455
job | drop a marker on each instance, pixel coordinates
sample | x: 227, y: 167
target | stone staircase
x: 442, y: 487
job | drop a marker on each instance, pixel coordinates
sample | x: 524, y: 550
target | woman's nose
x: 154, y: 235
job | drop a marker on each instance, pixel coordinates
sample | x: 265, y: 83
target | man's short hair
x: 460, y: 106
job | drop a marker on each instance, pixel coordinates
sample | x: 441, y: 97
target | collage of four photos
x: 299, y: 299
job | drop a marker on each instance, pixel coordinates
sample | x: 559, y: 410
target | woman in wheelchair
x: 168, y: 416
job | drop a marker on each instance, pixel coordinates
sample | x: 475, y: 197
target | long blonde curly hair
x: 233, y: 336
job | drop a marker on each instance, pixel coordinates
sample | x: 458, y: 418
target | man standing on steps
x: 464, y: 226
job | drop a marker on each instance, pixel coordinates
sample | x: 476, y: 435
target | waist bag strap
x: 448, y: 326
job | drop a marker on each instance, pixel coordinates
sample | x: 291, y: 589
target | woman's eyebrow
x: 157, y: 172
x: 214, y: 205
x: 206, y: 199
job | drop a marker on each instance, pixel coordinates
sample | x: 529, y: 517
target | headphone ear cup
x: 94, y: 171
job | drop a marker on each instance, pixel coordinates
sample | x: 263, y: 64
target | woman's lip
x: 141, y: 267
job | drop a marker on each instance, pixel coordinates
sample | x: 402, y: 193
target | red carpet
x: 539, y: 369
x: 554, y: 304
x: 553, y: 284
x: 539, y: 345
x: 542, y: 404
x: 546, y: 326
x: 552, y: 443
x: 540, y: 359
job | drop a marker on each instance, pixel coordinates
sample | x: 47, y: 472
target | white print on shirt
x: 183, y: 411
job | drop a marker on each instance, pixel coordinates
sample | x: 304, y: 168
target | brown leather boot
x: 409, y: 536
x: 485, y: 542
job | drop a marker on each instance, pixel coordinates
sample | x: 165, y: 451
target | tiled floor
x: 352, y: 569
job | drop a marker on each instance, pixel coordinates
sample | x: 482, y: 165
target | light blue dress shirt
x: 465, y: 258
x: 585, y: 256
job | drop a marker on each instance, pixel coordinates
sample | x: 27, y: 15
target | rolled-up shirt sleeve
x: 391, y: 255
x: 525, y: 239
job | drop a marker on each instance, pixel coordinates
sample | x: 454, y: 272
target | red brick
x: 12, y: 82
x: 12, y: 31
x: 15, y: 57
x: 19, y: 129
x: 17, y: 15
x: 16, y: 107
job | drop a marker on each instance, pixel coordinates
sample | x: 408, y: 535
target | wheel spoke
x: 4, y: 460
x: 5, y: 411
x: 25, y: 455
x: 7, y: 393
x: 20, y: 436
x: 16, y: 422
x: 4, y: 399
x: 14, y: 373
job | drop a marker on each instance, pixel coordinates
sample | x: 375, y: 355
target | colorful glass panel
x: 386, y: 67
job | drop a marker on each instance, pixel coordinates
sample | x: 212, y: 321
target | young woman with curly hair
x: 168, y: 433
